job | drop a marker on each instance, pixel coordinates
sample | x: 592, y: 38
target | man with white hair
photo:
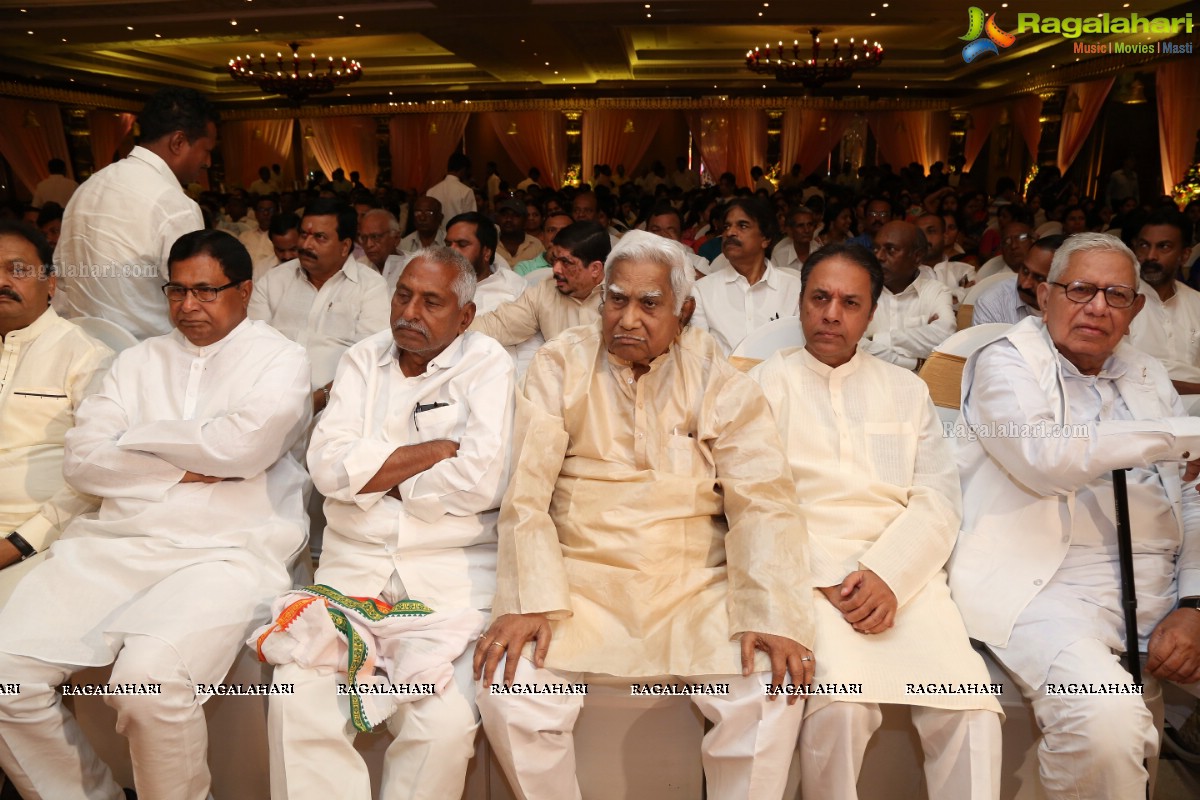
x: 649, y: 535
x: 379, y: 234
x: 1035, y: 569
x: 412, y: 459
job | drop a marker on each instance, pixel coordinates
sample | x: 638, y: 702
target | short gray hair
x: 392, y: 224
x: 639, y: 245
x: 464, y: 283
x: 1087, y: 243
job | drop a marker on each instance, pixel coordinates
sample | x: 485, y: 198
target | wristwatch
x: 1189, y: 602
x: 23, y: 547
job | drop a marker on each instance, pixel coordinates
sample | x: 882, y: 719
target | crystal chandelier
x: 298, y: 80
x: 788, y: 66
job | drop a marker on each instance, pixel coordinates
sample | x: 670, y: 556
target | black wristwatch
x: 1189, y: 602
x: 23, y: 547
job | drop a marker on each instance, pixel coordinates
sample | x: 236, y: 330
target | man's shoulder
x: 64, y: 336
x: 891, y: 377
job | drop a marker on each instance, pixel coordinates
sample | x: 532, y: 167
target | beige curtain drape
x: 730, y: 141
x: 616, y: 136
x: 905, y: 137
x: 420, y: 144
x: 247, y: 145
x: 1178, y: 87
x: 983, y: 120
x: 108, y: 131
x: 347, y: 142
x: 533, y: 139
x: 1027, y: 117
x: 808, y: 136
x: 31, y: 135
x: 1080, y: 110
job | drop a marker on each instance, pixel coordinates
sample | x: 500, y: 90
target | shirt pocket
x: 41, y: 415
x: 891, y: 450
x: 340, y: 323
x: 685, y: 457
x: 439, y: 423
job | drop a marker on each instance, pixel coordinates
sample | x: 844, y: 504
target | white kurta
x: 441, y: 537
x: 454, y: 195
x: 229, y: 410
x: 349, y: 307
x: 729, y: 308
x: 262, y: 251
x: 901, y: 332
x: 117, y: 231
x: 951, y: 274
x: 879, y: 490
x: 1170, y: 331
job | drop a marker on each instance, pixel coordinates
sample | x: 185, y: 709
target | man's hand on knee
x: 788, y: 657
x: 1174, y: 649
x: 865, y: 600
x: 507, y: 637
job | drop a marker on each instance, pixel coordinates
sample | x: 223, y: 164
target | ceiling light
x: 789, y: 66
x: 298, y: 82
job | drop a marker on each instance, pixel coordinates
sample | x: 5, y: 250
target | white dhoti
x: 746, y: 754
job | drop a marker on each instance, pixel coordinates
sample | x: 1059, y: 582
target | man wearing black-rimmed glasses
x: 187, y: 444
x: 1053, y: 407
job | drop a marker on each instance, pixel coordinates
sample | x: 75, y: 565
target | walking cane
x: 1128, y: 588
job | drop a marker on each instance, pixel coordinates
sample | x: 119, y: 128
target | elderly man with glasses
x: 1053, y: 406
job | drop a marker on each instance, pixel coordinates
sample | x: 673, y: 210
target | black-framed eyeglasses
x: 1082, y: 292
x: 205, y: 294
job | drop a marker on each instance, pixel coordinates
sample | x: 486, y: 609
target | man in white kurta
x: 649, y: 530
x: 880, y: 496
x: 47, y: 367
x: 451, y: 191
x: 957, y: 276
x: 412, y: 458
x: 915, y: 313
x: 111, y: 258
x: 735, y: 300
x: 1054, y: 406
x: 187, y: 443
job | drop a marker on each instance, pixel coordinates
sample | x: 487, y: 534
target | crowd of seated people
x: 508, y: 420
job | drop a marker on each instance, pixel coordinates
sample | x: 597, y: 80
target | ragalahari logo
x: 977, y: 27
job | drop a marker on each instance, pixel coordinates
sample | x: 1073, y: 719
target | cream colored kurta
x: 1170, y: 331
x: 879, y: 490
x: 541, y: 309
x: 614, y: 523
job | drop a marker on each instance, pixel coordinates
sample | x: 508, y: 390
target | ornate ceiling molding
x: 66, y: 97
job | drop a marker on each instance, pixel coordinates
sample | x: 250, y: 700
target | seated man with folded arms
x: 915, y: 312
x: 1054, y: 406
x: 568, y: 298
x: 47, y: 367
x: 412, y: 458
x: 881, y: 501
x: 188, y: 444
x: 650, y: 529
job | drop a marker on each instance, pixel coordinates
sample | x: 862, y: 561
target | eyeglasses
x: 205, y: 294
x: 879, y: 214
x: 1017, y: 238
x: 1083, y: 292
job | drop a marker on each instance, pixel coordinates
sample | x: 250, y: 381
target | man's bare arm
x: 409, y: 460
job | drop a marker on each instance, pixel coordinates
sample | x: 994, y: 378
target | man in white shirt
x: 915, y: 312
x: 863, y: 434
x: 750, y: 292
x: 411, y: 508
x: 474, y: 236
x: 1015, y: 298
x: 957, y: 276
x: 531, y: 180
x: 683, y: 178
x: 554, y: 222
x: 188, y: 444
x: 119, y: 226
x: 263, y: 186
x: 665, y: 220
x: 47, y: 367
x: 258, y: 239
x: 285, y: 238
x: 794, y: 248
x: 1035, y: 570
x: 236, y: 218
x: 379, y: 233
x: 1168, y: 326
x: 570, y: 297
x: 427, y: 224
x: 1016, y: 239
x: 515, y: 245
x: 56, y: 188
x: 326, y: 299
x: 452, y: 191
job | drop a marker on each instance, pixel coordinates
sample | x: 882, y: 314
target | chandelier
x: 788, y: 66
x: 296, y: 81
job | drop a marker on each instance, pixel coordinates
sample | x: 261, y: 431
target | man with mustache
x: 1169, y: 326
x: 413, y: 459
x: 568, y: 298
x: 326, y: 299
x: 750, y: 292
x: 1015, y: 297
x: 650, y: 530
x: 47, y: 367
x: 427, y: 226
x: 1053, y: 407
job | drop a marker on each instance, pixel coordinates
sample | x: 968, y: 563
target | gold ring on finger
x: 497, y: 644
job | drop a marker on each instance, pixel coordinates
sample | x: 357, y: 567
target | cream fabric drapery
x: 808, y: 136
x: 1178, y: 87
x: 108, y: 131
x: 31, y: 136
x: 730, y: 140
x: 1079, y: 117
x: 347, y: 142
x: 420, y: 145
x: 533, y: 139
x: 249, y: 144
x: 617, y: 136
